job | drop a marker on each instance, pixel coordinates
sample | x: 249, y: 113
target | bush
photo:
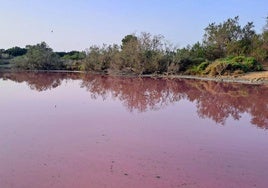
x: 216, y: 68
x: 20, y: 62
x: 188, y: 63
x: 197, y: 69
x: 233, y: 64
x: 238, y: 59
x: 38, y: 57
x: 203, y: 66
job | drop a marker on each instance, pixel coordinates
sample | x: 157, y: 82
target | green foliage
x: 74, y: 55
x: 93, y: 60
x: 142, y: 54
x: 192, y: 70
x: 228, y: 45
x: 130, y: 55
x: 203, y: 66
x: 100, y: 59
x: 128, y: 39
x: 150, y: 53
x: 38, y: 57
x: 264, y: 42
x: 232, y: 64
x: 229, y: 38
x: 190, y: 57
x: 184, y: 53
x: 218, y: 36
x: 197, y: 69
x: 197, y: 51
x: 16, y: 51
x: 152, y: 60
x: 165, y: 62
x: 187, y: 63
x: 20, y: 62
x: 61, y: 54
x: 72, y: 60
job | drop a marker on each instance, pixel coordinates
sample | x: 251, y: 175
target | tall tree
x: 130, y: 54
x: 218, y: 36
x: 128, y: 39
x: 265, y: 35
x: 244, y: 43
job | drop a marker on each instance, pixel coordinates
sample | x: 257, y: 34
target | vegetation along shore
x: 228, y: 52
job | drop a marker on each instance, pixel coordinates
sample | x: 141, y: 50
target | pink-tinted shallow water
x: 63, y: 130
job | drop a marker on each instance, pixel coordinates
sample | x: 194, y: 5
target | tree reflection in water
x: 214, y: 100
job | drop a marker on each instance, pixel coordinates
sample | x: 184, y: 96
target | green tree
x: 244, y: 44
x: 260, y: 45
x: 217, y: 37
x: 16, y: 51
x: 197, y: 51
x: 92, y: 61
x: 152, y: 52
x: 110, y: 57
x: 39, y: 57
x: 100, y: 59
x: 74, y: 55
x: 1, y: 52
x: 130, y: 54
x: 128, y: 39
x: 265, y: 36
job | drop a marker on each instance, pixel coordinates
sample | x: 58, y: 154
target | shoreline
x: 243, y: 79
x: 228, y: 79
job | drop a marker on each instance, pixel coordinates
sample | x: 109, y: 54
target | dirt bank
x: 248, y: 78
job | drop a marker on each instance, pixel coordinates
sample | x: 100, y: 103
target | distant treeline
x: 226, y: 48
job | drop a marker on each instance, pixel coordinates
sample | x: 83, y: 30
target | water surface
x: 66, y: 130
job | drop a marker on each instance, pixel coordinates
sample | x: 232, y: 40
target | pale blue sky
x: 78, y: 24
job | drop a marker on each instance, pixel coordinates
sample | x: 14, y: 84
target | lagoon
x: 82, y: 130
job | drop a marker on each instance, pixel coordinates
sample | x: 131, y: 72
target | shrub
x: 238, y: 59
x: 189, y: 63
x: 216, y: 68
x: 203, y: 66
x: 192, y: 70
x: 197, y: 69
x: 232, y: 64
x: 38, y: 57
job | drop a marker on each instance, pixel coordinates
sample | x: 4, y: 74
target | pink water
x: 60, y: 130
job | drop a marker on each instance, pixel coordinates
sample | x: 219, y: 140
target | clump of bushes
x: 38, y: 57
x: 230, y: 65
x: 197, y: 69
x: 188, y: 63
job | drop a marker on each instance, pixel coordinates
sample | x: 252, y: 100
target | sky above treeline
x: 76, y: 25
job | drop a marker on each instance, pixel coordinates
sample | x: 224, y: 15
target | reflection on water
x: 81, y: 130
x: 214, y: 100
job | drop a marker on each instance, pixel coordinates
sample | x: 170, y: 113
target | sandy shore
x: 248, y: 78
